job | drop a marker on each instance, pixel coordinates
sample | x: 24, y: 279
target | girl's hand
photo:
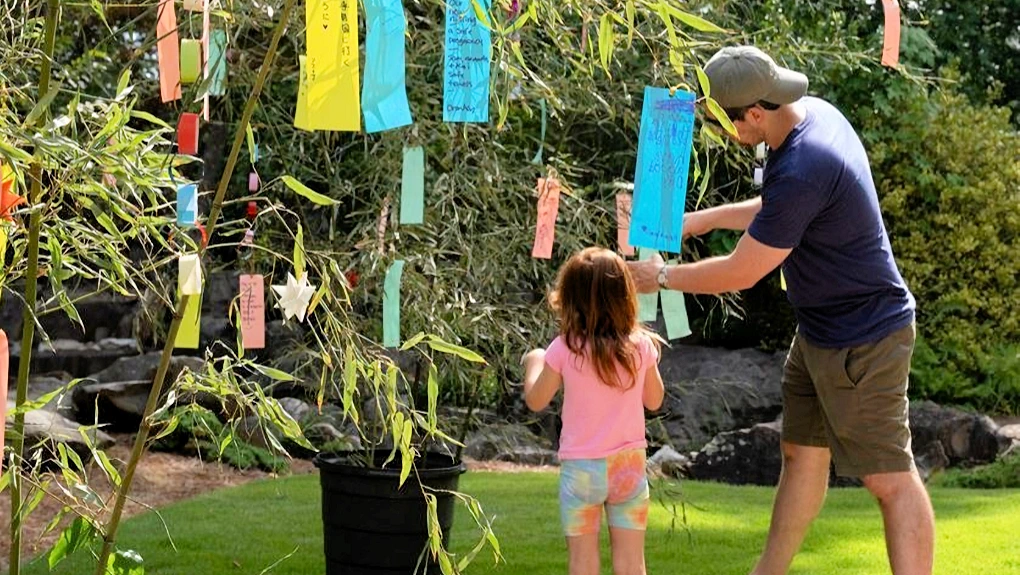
x: 535, y: 356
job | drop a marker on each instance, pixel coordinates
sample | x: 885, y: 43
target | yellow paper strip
x: 191, y: 323
x: 334, y: 101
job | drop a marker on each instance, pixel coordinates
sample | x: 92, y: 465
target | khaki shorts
x: 853, y: 401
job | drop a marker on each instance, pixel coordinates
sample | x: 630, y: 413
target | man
x: 845, y: 379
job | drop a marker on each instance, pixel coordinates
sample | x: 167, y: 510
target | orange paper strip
x: 253, y: 312
x: 5, y: 358
x: 205, y: 56
x: 548, y: 207
x: 624, y: 202
x: 168, y: 52
x: 891, y: 42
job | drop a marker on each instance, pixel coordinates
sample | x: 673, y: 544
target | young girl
x: 606, y: 363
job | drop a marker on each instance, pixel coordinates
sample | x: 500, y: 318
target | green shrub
x: 950, y: 186
x: 199, y: 432
x: 1001, y: 474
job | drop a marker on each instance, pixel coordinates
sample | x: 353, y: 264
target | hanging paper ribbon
x: 218, y: 63
x: 168, y: 52
x: 253, y: 311
x: 190, y: 330
x: 8, y: 199
x: 5, y: 362
x: 391, y: 304
x: 664, y: 156
x: 548, y: 208
x: 189, y: 275
x: 467, y: 66
x: 187, y: 205
x: 674, y: 312
x: 412, y: 186
x: 623, y: 208
x: 891, y: 36
x: 332, y: 65
x: 253, y: 182
x: 301, y: 120
x: 648, y: 303
x: 384, y: 96
x: 187, y: 134
x: 191, y: 60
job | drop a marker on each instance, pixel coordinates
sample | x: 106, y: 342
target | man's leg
x: 802, y: 486
x: 909, y: 521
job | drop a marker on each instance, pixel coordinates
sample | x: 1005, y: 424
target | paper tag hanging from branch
x: 252, y: 312
x: 168, y: 52
x: 548, y: 209
x: 891, y: 36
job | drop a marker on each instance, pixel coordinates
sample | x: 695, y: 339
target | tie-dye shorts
x: 617, y: 482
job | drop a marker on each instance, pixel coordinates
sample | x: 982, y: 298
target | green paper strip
x: 538, y: 155
x: 391, y: 305
x: 674, y: 313
x: 191, y: 60
x: 218, y: 63
x: 648, y: 303
x: 412, y: 187
x: 191, y: 324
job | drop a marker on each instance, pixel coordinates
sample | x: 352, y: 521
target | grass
x: 249, y: 528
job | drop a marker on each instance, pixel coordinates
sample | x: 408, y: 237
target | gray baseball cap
x: 742, y: 75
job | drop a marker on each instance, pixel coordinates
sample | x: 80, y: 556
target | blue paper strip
x: 384, y: 94
x: 187, y: 204
x: 466, y: 70
x: 648, y: 303
x: 218, y: 63
x: 664, y: 156
x: 412, y: 187
x: 391, y: 304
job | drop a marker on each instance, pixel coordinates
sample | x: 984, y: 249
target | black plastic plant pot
x: 371, y: 526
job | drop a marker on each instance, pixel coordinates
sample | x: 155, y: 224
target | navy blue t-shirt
x: 819, y: 199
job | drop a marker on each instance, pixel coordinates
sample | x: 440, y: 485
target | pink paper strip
x: 624, y: 202
x: 253, y: 182
x: 548, y: 208
x: 891, y: 42
x: 5, y: 359
x: 253, y: 312
x: 168, y: 52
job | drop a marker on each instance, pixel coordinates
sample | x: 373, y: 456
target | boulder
x: 710, y: 390
x: 743, y: 457
x: 668, y: 462
x: 965, y: 438
x: 509, y: 442
x: 44, y: 429
x: 75, y: 357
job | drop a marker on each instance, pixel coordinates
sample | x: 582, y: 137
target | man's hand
x: 646, y: 273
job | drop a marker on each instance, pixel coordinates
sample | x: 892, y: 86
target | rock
x: 120, y: 391
x: 509, y: 442
x: 930, y: 459
x: 44, y: 429
x: 72, y: 356
x: 669, y: 462
x: 711, y: 390
x: 323, y: 434
x: 1010, y: 432
x: 965, y: 438
x: 744, y: 457
x: 296, y: 408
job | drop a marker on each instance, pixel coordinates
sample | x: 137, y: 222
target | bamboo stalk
x: 110, y: 531
x: 31, y: 293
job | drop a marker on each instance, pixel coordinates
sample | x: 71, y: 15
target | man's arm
x: 740, y: 270
x: 736, y: 216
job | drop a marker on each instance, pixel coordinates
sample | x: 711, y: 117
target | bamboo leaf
x: 274, y: 373
x: 706, y: 88
x: 696, y: 22
x: 150, y: 118
x: 299, y: 253
x: 606, y: 40
x: 480, y: 14
x: 721, y: 116
x: 250, y: 137
x: 413, y: 341
x: 630, y: 11
x: 42, y: 106
x: 449, y: 348
x: 305, y: 191
x: 78, y: 535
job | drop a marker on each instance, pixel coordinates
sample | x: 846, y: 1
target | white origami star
x: 295, y: 296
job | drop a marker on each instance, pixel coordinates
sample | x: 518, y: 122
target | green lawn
x: 246, y: 529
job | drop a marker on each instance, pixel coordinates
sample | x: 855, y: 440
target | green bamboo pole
x: 110, y: 531
x: 31, y: 292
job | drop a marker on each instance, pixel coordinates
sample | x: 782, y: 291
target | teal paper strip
x: 391, y: 305
x: 412, y: 188
x: 218, y: 63
x: 674, y: 313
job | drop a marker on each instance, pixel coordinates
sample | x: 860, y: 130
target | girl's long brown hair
x: 596, y: 300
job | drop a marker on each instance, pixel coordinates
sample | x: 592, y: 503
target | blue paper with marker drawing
x: 664, y: 157
x: 384, y: 93
x: 466, y: 69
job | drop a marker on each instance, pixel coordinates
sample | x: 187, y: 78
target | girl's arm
x: 540, y: 381
x: 654, y: 390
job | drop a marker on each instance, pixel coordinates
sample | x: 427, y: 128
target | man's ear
x: 756, y: 113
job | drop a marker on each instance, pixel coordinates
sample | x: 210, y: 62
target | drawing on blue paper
x: 664, y: 157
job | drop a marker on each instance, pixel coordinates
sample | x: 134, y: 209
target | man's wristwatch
x: 662, y: 277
